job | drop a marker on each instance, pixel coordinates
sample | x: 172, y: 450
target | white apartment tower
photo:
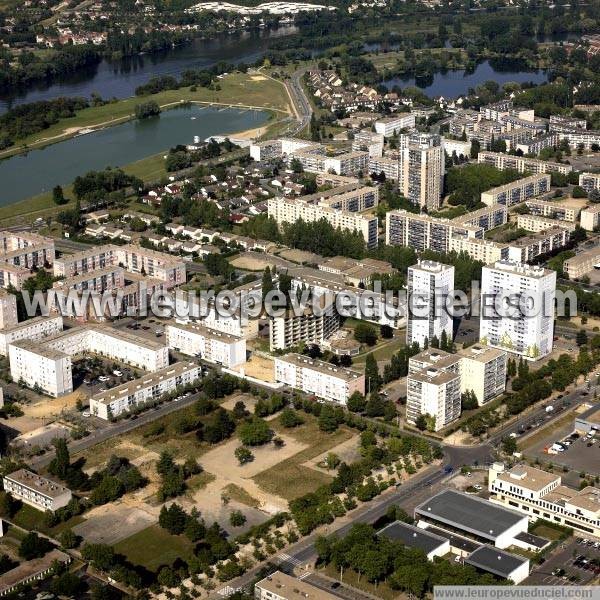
x: 428, y: 286
x: 422, y: 169
x: 517, y: 308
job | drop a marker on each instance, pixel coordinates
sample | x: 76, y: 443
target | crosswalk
x: 305, y: 575
x: 228, y: 591
x: 286, y: 558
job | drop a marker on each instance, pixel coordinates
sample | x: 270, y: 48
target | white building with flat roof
x: 517, y: 191
x: 8, y: 309
x: 213, y: 346
x: 590, y: 217
x: 31, y: 329
x: 517, y: 308
x: 393, y: 125
x: 39, y: 492
x: 152, y: 386
x: 322, y: 379
x: 429, y: 284
x: 483, y: 372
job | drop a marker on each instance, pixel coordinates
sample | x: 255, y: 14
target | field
x: 289, y: 478
x: 154, y: 547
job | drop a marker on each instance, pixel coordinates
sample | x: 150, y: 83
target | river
x: 40, y: 170
x: 454, y: 83
x: 120, y: 78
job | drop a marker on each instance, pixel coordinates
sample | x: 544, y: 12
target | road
x: 300, y: 100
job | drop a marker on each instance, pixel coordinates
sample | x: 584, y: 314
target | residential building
x: 524, y: 329
x: 390, y: 126
x: 538, y: 494
x: 366, y: 140
x: 156, y: 265
x: 537, y: 223
x: 289, y: 330
x: 8, y: 309
x: 390, y: 167
x: 456, y: 147
x: 320, y: 378
x: 152, y: 386
x: 562, y: 210
x: 486, y: 251
x: 433, y: 388
x: 526, y: 249
x: 590, y: 217
x: 40, y: 367
x: 280, y: 586
x: 485, y: 218
x: 209, y: 344
x: 37, y: 491
x: 422, y: 175
x: 31, y: 329
x: 517, y: 191
x: 351, y: 197
x: 536, y: 144
x: 20, y: 254
x: 589, y: 181
x: 422, y: 232
x: 429, y: 284
x: 483, y: 372
x: 581, y: 264
x: 578, y: 138
x: 522, y: 164
x: 285, y: 210
x: 93, y: 259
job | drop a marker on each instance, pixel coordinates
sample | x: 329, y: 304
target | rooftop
x: 495, y: 561
x: 46, y: 487
x: 481, y: 353
x: 592, y: 415
x: 318, y: 365
x: 414, y: 537
x: 212, y: 334
x: 517, y: 268
x: 288, y: 587
x: 469, y: 513
x: 431, y: 266
x: 528, y: 477
x: 36, y: 347
x: 31, y: 568
x: 150, y: 380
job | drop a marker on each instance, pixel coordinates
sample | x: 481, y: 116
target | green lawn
x: 289, y: 479
x: 30, y: 518
x: 383, y: 350
x: 155, y: 547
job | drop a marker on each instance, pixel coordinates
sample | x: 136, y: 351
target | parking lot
x: 572, y: 563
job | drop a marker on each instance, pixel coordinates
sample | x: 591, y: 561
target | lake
x: 452, y: 84
x: 120, y: 78
x: 40, y: 170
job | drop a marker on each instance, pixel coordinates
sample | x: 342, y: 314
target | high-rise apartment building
x: 517, y: 308
x: 429, y: 284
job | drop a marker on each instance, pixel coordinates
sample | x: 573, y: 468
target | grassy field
x: 155, y: 547
x: 383, y: 351
x: 239, y: 494
x: 30, y: 518
x: 289, y: 479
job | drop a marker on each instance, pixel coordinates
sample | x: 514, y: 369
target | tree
x: 237, y: 518
x: 372, y: 377
x: 365, y: 333
x: 267, y: 284
x: 581, y: 339
x: 332, y: 461
x: 60, y: 464
x: 58, y: 196
x: 290, y: 418
x: 240, y: 411
x: 68, y: 585
x: 468, y: 400
x: 244, y: 455
x: 173, y: 519
x: 356, y: 403
x: 328, y: 420
x: 386, y: 332
x: 421, y: 423
x: 509, y: 445
x: 68, y: 539
x: 33, y: 546
x: 255, y: 432
x: 147, y: 109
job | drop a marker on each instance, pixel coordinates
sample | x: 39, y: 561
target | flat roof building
x: 39, y: 492
x: 581, y: 264
x: 280, y: 586
x: 416, y: 537
x: 471, y: 516
x: 517, y: 191
x: 502, y: 564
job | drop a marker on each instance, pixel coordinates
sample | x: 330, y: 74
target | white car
x: 117, y: 373
x: 103, y: 378
x: 478, y: 487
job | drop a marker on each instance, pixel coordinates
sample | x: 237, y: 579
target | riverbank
x: 237, y: 90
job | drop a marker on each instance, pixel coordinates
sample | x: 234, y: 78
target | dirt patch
x: 248, y: 263
x: 259, y: 367
x: 301, y: 256
x: 249, y: 401
x: 112, y: 523
x: 347, y: 452
x: 258, y: 78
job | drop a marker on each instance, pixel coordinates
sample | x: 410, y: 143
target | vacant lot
x: 153, y: 547
x: 290, y: 478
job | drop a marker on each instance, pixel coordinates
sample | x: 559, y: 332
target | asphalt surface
x: 300, y: 100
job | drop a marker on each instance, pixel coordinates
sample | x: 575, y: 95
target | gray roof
x: 495, y: 561
x: 414, y: 537
x: 469, y: 513
x: 533, y: 540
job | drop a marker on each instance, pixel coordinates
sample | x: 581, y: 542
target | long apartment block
x: 285, y: 210
x: 32, y: 329
x: 211, y: 345
x: 522, y: 164
x: 317, y: 377
x: 526, y: 249
x: 37, y: 491
x: 133, y: 258
x: 123, y: 398
x: 517, y: 191
x: 21, y: 253
x: 46, y: 364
